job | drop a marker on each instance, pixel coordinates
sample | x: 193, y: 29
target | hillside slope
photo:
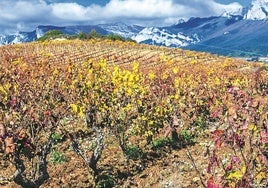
x: 150, y: 116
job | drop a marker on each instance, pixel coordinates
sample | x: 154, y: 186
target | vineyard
x: 103, y: 113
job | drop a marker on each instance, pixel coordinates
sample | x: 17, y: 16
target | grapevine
x: 134, y: 94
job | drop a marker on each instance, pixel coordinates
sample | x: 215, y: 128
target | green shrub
x: 161, y: 142
x: 200, y: 122
x: 57, y: 157
x: 57, y: 137
x: 133, y: 152
x: 187, y: 137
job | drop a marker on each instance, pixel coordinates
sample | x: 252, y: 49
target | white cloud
x: 231, y: 8
x: 142, y: 8
x: 27, y: 14
x: 22, y: 15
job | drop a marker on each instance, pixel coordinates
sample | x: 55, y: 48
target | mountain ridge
x: 242, y: 34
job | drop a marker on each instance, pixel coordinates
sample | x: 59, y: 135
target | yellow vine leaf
x: 237, y: 175
x: 81, y: 111
x: 217, y: 81
x: 261, y: 176
x: 252, y: 127
x: 135, y: 66
x: 175, y: 70
x: 151, y: 75
x: 78, y: 109
x: 74, y: 108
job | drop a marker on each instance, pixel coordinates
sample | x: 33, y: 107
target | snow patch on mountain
x: 18, y: 38
x: 180, y: 21
x: 3, y: 40
x: 258, y: 10
x: 157, y: 36
x: 39, y: 32
x: 126, y: 31
x: 13, y: 39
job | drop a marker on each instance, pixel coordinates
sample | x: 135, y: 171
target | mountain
x: 69, y: 30
x: 240, y: 32
x: 165, y: 37
x: 241, y: 38
x: 183, y: 34
x: 232, y: 35
x: 18, y: 37
x: 258, y: 10
x: 122, y: 29
x: 41, y: 30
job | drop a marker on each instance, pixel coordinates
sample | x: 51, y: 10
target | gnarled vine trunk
x: 19, y: 177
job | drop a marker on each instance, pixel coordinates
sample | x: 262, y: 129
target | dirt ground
x: 162, y: 167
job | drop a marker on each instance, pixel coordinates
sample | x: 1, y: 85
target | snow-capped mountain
x: 103, y: 29
x: 236, y: 33
x: 18, y: 37
x: 258, y: 10
x: 164, y: 37
x: 237, y: 37
x: 122, y: 29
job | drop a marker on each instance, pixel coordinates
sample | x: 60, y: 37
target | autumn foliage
x: 137, y: 94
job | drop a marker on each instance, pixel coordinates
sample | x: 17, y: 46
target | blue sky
x: 26, y: 15
x: 242, y: 2
x: 103, y: 2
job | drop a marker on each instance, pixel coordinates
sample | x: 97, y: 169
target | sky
x: 26, y: 15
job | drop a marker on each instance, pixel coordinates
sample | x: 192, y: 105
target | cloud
x: 70, y: 11
x: 27, y: 14
x: 23, y: 14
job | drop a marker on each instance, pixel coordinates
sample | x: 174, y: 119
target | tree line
x: 93, y: 34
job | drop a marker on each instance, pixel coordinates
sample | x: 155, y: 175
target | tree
x: 94, y: 34
x: 82, y: 36
x: 114, y: 37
